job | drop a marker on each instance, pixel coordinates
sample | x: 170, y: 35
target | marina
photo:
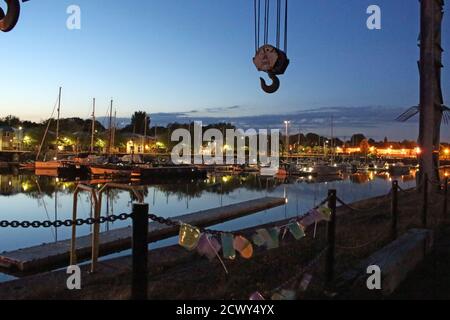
x: 224, y: 151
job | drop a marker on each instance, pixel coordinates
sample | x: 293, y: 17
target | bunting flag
x: 311, y: 218
x: 228, y: 246
x: 208, y: 246
x: 256, y: 296
x: 189, y: 236
x: 284, y: 295
x: 297, y: 230
x: 325, y: 212
x: 243, y: 246
x: 306, y: 280
x: 267, y: 237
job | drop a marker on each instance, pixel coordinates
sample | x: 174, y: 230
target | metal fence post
x: 331, y: 237
x: 394, y: 209
x: 445, y: 198
x: 425, y: 202
x: 140, y: 252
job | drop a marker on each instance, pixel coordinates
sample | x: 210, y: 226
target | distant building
x: 10, y: 138
x: 138, y: 144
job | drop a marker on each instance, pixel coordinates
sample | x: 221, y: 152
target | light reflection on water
x: 25, y: 197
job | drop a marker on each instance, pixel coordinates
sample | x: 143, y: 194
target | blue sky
x: 179, y: 56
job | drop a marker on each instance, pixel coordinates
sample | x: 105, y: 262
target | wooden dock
x: 53, y: 255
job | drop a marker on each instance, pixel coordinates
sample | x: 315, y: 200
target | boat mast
x: 145, y: 134
x: 57, y: 122
x: 110, y: 128
x: 332, y: 141
x: 93, y: 127
x: 114, y: 128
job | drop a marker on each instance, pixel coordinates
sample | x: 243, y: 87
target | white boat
x: 268, y: 171
x: 363, y: 168
x: 272, y: 172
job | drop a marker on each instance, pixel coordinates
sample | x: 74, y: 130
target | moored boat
x: 147, y: 172
x: 111, y: 170
x: 399, y: 169
x: 326, y: 170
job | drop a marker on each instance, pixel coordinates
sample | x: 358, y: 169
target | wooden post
x: 140, y: 252
x: 394, y: 209
x: 425, y: 201
x: 331, y: 237
x: 431, y: 98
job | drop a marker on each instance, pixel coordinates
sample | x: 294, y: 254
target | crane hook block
x: 274, y: 62
x: 9, y: 20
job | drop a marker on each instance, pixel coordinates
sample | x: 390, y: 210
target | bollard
x: 425, y: 202
x: 331, y: 237
x: 139, y: 252
x: 445, y: 198
x: 394, y: 209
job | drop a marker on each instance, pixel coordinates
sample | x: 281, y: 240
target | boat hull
x: 110, y: 171
x: 169, y: 172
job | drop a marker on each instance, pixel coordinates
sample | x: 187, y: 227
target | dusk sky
x: 167, y: 56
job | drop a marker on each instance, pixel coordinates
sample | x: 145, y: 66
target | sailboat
x: 111, y: 169
x: 50, y: 167
x: 56, y: 167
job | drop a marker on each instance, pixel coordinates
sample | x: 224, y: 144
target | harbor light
x: 25, y: 186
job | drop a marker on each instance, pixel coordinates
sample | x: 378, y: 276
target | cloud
x: 374, y: 121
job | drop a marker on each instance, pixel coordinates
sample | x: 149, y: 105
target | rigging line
x: 286, y: 27
x: 45, y: 205
x: 259, y: 22
x: 47, y: 128
x: 266, y: 22
x: 278, y: 23
x: 256, y: 11
x: 255, y: 22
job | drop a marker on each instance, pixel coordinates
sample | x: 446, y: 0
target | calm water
x: 26, y: 197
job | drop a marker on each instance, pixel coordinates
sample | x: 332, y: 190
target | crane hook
x: 273, y: 87
x: 9, y: 20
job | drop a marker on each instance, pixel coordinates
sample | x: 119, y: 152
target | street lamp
x: 287, y: 123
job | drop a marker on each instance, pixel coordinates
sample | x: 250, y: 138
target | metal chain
x: 174, y: 223
x: 406, y: 190
x: 378, y: 238
x: 63, y: 223
x: 112, y: 218
x: 378, y: 205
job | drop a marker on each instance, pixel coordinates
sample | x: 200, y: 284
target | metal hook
x: 272, y: 88
x: 9, y: 20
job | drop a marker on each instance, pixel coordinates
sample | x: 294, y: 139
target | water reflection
x: 27, y: 197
